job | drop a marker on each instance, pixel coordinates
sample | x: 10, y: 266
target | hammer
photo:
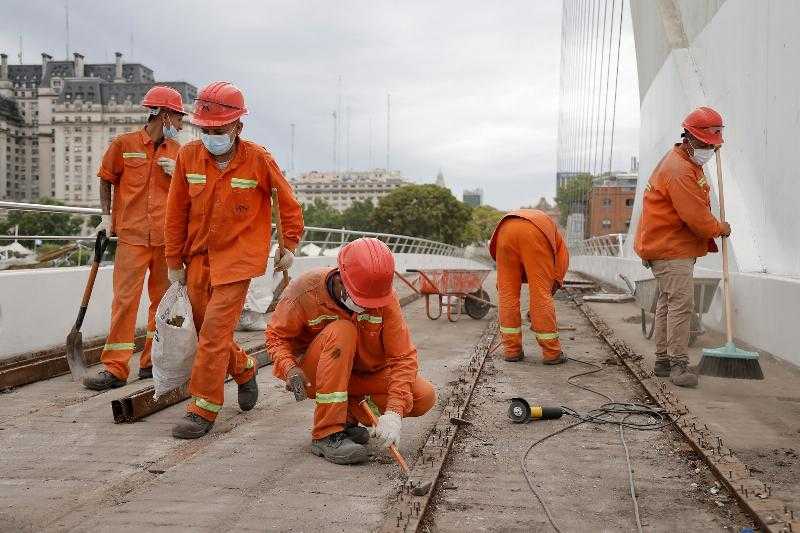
x: 392, y: 448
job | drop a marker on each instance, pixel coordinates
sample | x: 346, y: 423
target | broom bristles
x: 730, y: 362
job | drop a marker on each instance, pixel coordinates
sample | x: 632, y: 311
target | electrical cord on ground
x: 628, y: 415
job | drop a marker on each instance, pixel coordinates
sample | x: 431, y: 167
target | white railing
x: 607, y: 245
x: 315, y: 241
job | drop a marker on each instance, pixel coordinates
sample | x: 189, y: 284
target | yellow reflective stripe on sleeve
x: 331, y: 397
x: 371, y: 319
x: 243, y: 183
x: 250, y: 363
x: 648, y: 188
x: 510, y: 331
x: 150, y: 334
x: 196, y: 179
x: 134, y: 155
x: 110, y: 346
x: 321, y: 318
x: 208, y: 406
x: 702, y: 182
x: 546, y: 336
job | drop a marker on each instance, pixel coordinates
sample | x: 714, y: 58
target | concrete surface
x: 759, y: 420
x: 581, y: 474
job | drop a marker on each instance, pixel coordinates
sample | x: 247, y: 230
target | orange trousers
x: 523, y: 250
x: 328, y: 365
x: 216, y: 312
x: 131, y: 263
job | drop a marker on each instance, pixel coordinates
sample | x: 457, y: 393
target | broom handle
x: 725, y: 276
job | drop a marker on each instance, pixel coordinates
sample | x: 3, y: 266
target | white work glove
x: 104, y: 225
x: 283, y: 262
x: 167, y: 165
x: 388, y: 428
x: 177, y: 276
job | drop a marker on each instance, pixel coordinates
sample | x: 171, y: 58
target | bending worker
x: 340, y: 333
x: 218, y: 228
x: 676, y: 228
x: 528, y: 248
x: 139, y: 166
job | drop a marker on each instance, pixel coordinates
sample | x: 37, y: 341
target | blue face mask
x: 170, y: 132
x: 217, y: 144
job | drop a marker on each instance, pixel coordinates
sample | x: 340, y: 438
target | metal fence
x: 608, y: 245
x: 315, y: 241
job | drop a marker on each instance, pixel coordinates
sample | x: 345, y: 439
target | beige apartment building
x: 341, y: 189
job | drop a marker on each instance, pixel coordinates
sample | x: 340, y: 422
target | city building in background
x: 550, y: 209
x: 440, y: 180
x: 611, y: 203
x: 473, y: 197
x: 341, y: 189
x: 58, y: 117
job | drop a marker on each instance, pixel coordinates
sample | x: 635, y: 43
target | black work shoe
x: 514, y: 358
x: 339, y: 449
x: 661, y: 368
x: 146, y: 372
x: 557, y: 361
x: 103, y: 381
x: 356, y: 433
x: 681, y: 376
x: 248, y: 394
x: 191, y: 426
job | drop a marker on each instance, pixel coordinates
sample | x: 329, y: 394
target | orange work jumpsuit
x: 529, y: 249
x: 219, y: 224
x: 346, y: 356
x: 138, y: 208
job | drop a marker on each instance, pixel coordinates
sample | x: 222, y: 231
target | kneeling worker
x: 529, y: 249
x: 217, y: 234
x: 342, y: 333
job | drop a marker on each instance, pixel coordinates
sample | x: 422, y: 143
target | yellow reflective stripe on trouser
x: 118, y: 346
x: 510, y: 331
x: 321, y: 318
x: 208, y: 406
x: 150, y: 334
x: 134, y: 155
x: 544, y: 336
x: 371, y: 319
x: 331, y: 397
x: 242, y: 183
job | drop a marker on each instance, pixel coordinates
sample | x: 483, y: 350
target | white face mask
x: 701, y: 156
x: 351, y: 305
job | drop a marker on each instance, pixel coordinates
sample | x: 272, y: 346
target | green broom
x: 728, y: 361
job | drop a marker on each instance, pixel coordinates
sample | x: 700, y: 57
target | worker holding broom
x: 138, y: 166
x: 338, y: 335
x: 528, y: 248
x: 676, y: 228
x: 217, y: 234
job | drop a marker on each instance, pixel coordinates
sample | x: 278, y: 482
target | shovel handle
x: 100, y: 245
x: 392, y: 448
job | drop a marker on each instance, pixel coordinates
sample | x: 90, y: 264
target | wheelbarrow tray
x: 646, y: 294
x: 455, y: 281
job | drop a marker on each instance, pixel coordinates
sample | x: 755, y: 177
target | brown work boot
x: 514, y: 358
x: 557, y: 361
x: 681, y: 376
x: 248, y: 394
x: 339, y: 449
x: 103, y: 380
x: 191, y: 426
x: 662, y: 368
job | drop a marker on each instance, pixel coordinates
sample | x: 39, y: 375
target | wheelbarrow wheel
x: 476, y: 309
x: 648, y: 334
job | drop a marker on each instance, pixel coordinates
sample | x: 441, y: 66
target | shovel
x: 77, y: 365
x: 276, y: 294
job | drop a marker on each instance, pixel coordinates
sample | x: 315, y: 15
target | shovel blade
x: 77, y: 366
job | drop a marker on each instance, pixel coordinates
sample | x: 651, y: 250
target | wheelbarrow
x: 457, y: 291
x: 646, y: 293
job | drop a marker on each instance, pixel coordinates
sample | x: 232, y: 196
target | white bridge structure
x: 39, y: 306
x: 739, y: 57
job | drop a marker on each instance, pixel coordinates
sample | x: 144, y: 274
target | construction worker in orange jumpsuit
x: 217, y: 235
x: 339, y: 334
x: 139, y: 167
x: 528, y: 248
x: 677, y: 227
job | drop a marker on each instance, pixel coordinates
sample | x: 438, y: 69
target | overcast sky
x: 474, y: 84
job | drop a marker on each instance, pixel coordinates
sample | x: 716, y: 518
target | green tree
x: 484, y: 220
x: 357, y: 217
x: 321, y: 214
x: 573, y: 196
x: 425, y: 211
x: 38, y: 223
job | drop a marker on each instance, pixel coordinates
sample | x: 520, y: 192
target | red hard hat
x: 367, y: 269
x: 705, y: 124
x: 161, y: 96
x: 217, y: 104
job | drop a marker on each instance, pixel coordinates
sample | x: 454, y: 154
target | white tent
x: 16, y: 248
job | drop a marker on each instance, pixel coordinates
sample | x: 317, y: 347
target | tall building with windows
x: 341, y: 189
x: 473, y: 197
x: 67, y: 113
